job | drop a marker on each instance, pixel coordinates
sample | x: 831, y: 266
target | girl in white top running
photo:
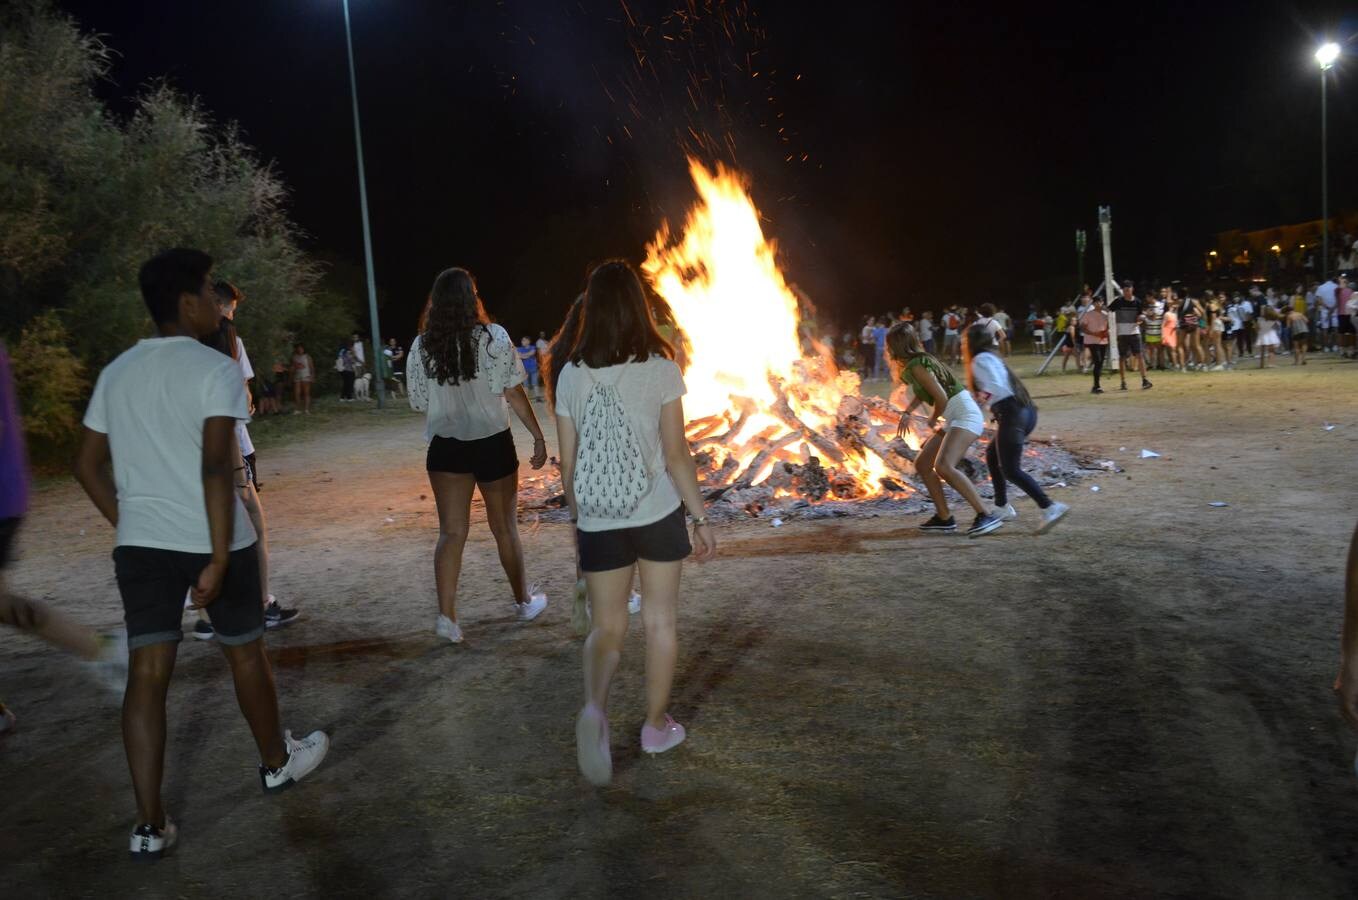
x: 628, y: 477
x: 996, y: 386
x: 463, y: 372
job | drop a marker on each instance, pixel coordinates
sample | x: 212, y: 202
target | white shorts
x: 962, y: 412
x: 1270, y: 340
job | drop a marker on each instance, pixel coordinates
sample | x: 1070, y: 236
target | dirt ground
x: 1136, y: 704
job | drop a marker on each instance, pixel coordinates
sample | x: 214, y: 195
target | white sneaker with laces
x: 1051, y: 515
x: 449, y: 630
x: 303, y: 757
x: 529, y: 611
x: 149, y: 843
x: 1007, y: 513
x: 634, y: 603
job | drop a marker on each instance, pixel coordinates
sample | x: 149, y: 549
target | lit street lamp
x: 367, y: 231
x: 1326, y: 55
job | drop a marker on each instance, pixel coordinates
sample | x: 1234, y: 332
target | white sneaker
x: 303, y: 757
x: 1007, y: 513
x: 448, y: 630
x: 1051, y: 515
x: 149, y: 843
x: 634, y: 603
x: 592, y: 752
x: 533, y: 608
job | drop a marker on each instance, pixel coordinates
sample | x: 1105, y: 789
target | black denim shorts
x: 153, y: 583
x: 488, y: 459
x: 618, y: 548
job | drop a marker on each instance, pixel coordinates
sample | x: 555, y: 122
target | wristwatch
x: 699, y: 520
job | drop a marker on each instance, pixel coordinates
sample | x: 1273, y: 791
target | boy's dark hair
x: 168, y: 274
x: 988, y: 310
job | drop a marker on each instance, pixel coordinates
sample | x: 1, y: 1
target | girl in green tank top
x: 930, y: 381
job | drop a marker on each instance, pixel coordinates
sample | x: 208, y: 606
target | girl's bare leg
x: 603, y: 648
x: 453, y: 497
x: 955, y: 444
x: 502, y: 513
x: 924, y: 468
x: 660, y: 586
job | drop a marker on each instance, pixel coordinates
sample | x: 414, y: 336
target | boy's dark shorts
x: 618, y: 548
x: 8, y: 528
x: 1129, y: 345
x: 487, y: 459
x: 153, y: 583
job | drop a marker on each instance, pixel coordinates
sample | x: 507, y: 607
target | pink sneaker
x: 591, y: 747
x: 658, y: 740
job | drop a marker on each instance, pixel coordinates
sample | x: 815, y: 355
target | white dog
x: 361, y: 385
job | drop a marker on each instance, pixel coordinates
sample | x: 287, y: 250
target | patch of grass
x: 327, y: 414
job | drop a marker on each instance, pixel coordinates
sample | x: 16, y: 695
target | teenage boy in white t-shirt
x: 164, y: 414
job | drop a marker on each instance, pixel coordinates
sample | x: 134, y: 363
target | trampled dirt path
x: 1138, y: 703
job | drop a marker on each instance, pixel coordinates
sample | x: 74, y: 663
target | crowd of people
x: 1163, y: 330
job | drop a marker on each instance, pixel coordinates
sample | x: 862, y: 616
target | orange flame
x: 722, y: 280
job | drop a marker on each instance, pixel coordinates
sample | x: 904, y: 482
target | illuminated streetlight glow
x: 1211, y: 253
x: 1327, y: 53
x: 1276, y: 249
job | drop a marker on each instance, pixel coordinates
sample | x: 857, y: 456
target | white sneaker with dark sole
x: 1007, y: 513
x: 532, y: 609
x: 634, y: 604
x: 303, y: 757
x: 202, y: 631
x: 150, y: 843
x: 449, y: 630
x: 1051, y: 515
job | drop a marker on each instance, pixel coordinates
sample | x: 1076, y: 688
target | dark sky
x: 939, y: 151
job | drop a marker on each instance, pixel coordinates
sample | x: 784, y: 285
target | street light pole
x: 1326, y: 55
x: 1324, y: 183
x: 367, y: 230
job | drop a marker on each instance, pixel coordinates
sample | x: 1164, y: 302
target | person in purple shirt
x: 107, y: 652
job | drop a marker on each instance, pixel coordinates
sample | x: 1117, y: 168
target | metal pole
x: 367, y: 231
x: 1324, y: 189
x: 1106, y: 230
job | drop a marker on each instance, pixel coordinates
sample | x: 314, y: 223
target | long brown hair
x: 559, y: 351
x: 452, y: 328
x: 616, y: 325
x: 980, y: 340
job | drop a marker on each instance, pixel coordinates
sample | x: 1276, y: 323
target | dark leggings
x: 347, y: 388
x: 1004, y: 454
x: 1097, y: 354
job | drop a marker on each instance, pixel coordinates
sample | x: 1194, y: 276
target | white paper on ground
x: 1149, y: 454
x: 1329, y: 427
x: 777, y: 523
x: 1218, y: 503
x: 1094, y: 488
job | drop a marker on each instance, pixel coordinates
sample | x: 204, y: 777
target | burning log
x: 702, y: 429
x: 784, y: 412
x: 746, y: 477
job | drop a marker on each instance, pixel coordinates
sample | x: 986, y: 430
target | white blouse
x: 473, y: 409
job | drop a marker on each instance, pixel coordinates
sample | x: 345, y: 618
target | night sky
x: 929, y: 153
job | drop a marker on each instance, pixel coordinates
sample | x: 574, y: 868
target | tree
x: 85, y: 199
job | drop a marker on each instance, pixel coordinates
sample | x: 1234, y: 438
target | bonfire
x: 774, y: 427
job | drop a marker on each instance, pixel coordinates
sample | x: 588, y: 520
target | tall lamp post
x: 1326, y: 55
x: 367, y: 231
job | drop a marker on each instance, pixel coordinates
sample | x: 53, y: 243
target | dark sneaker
x: 203, y: 631
x: 1145, y: 385
x: 937, y: 525
x: 1124, y: 386
x: 1096, y: 390
x: 150, y: 843
x: 276, y: 616
x: 984, y: 525
x: 303, y: 757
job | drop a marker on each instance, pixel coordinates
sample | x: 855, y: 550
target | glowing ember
x: 759, y: 410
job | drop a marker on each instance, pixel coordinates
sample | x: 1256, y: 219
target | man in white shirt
x: 1327, y: 296
x: 164, y: 413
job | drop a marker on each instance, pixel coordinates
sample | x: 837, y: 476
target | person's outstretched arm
x: 518, y: 401
x: 1348, y: 671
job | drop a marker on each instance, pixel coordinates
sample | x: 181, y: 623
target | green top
x: 951, y: 386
